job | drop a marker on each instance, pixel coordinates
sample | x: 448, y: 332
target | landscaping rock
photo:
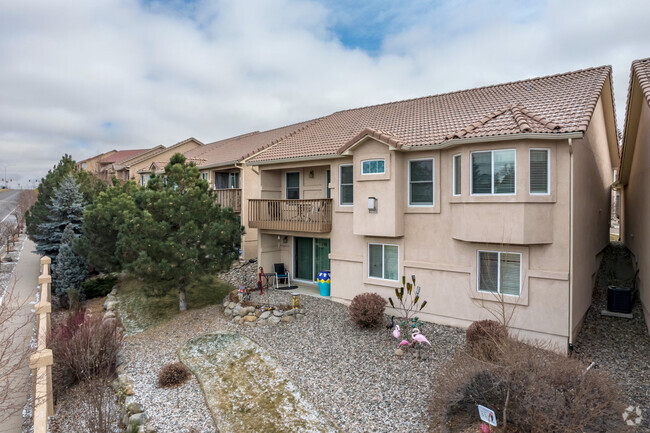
x: 262, y: 322
x: 278, y: 313
x: 287, y: 318
x: 228, y: 312
x: 110, y: 305
x: 299, y: 316
x: 134, y: 408
x: 274, y: 320
x: 109, y: 315
x: 265, y: 315
x: 138, y: 418
x: 232, y: 305
x: 250, y: 318
x: 236, y: 319
x: 290, y: 312
x: 250, y: 323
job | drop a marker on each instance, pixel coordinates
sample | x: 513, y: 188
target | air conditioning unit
x: 619, y: 299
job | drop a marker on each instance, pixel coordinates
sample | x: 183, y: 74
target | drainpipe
x: 570, y: 246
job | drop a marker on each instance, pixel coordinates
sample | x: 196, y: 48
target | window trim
x: 383, y: 261
x: 433, y: 182
x: 548, y: 171
x: 492, y: 193
x: 478, y: 272
x: 453, y: 175
x: 373, y: 160
x: 341, y: 184
x: 286, y: 184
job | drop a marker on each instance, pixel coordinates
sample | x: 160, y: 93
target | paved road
x: 26, y: 278
x: 8, y: 202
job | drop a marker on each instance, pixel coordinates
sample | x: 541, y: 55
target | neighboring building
x: 220, y: 165
x: 141, y: 167
x: 92, y: 164
x: 496, y: 192
x: 113, y: 164
x: 634, y: 177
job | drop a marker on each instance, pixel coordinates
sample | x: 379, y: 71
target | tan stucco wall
x: 250, y: 183
x: 636, y: 204
x: 92, y: 165
x: 591, y: 218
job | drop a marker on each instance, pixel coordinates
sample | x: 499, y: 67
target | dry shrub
x: 367, y: 309
x: 484, y: 338
x: 545, y: 392
x: 84, y: 348
x: 173, y: 374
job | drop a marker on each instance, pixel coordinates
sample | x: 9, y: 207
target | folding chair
x: 281, y: 274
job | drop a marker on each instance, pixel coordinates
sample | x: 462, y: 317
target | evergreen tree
x: 66, y: 207
x: 89, y: 186
x: 101, y: 226
x: 71, y: 270
x: 180, y: 233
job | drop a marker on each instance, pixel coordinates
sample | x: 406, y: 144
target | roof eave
x: 288, y: 160
x: 471, y: 140
x: 218, y: 164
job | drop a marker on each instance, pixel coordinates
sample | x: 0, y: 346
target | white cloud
x: 160, y: 74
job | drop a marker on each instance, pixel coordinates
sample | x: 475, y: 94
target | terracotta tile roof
x: 162, y: 149
x: 235, y: 149
x: 159, y: 166
x: 548, y: 105
x: 642, y: 70
x: 123, y: 155
x: 97, y: 156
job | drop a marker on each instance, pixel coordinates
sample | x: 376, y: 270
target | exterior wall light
x: 372, y: 204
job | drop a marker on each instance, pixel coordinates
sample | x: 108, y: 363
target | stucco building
x: 500, y: 193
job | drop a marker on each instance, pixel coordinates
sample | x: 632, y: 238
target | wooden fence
x: 313, y: 216
x: 41, y: 361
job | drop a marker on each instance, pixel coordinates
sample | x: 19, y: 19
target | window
x: 372, y: 166
x: 421, y: 182
x: 499, y: 272
x: 346, y: 185
x: 493, y: 172
x: 383, y: 261
x: 142, y: 180
x: 204, y: 176
x: 328, y: 179
x: 233, y: 179
x: 456, y: 174
x: 293, y: 186
x: 83, y: 165
x: 539, y: 171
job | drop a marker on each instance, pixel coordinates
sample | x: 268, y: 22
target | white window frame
x: 363, y: 163
x: 142, y: 181
x: 471, y: 174
x: 548, y: 171
x: 433, y: 182
x: 340, y: 184
x: 478, y: 272
x: 383, y: 259
x: 204, y: 175
x: 453, y: 175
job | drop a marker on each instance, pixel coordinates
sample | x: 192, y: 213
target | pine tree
x: 66, y: 207
x: 179, y: 233
x: 71, y: 269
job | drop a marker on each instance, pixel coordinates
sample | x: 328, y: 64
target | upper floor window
x: 421, y: 182
x: 499, y: 272
x: 143, y: 180
x: 493, y: 172
x: 456, y: 175
x: 204, y: 176
x: 372, y: 166
x: 539, y: 171
x: 346, y: 185
x: 293, y: 186
x: 328, y: 179
x: 383, y: 261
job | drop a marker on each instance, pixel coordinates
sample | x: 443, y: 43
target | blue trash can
x: 324, y: 283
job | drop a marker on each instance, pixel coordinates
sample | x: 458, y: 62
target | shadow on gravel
x: 245, y: 389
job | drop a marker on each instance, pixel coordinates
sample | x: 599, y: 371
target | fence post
x: 41, y: 361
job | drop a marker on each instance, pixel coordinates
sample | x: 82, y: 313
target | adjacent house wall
x: 591, y: 217
x: 164, y: 156
x: 636, y: 202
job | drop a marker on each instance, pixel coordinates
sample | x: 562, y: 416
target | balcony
x: 230, y: 197
x: 314, y: 216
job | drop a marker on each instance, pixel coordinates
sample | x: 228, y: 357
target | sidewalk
x: 25, y: 275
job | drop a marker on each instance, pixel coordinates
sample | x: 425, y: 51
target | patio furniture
x: 281, y: 274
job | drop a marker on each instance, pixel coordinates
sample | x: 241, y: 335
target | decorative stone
x: 134, y: 408
x: 114, y: 291
x: 250, y: 323
x: 299, y: 316
x: 238, y: 311
x: 232, y: 305
x: 109, y: 315
x: 128, y: 390
x: 278, y: 313
x: 110, y: 305
x: 274, y: 320
x: 265, y: 315
x: 399, y: 352
x: 250, y: 318
x: 150, y: 429
x: 236, y: 319
x: 262, y: 322
x: 290, y: 312
x: 287, y: 318
x: 120, y: 370
x: 241, y: 321
x: 138, y: 418
x: 228, y: 312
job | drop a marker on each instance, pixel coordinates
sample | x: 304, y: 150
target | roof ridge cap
x: 278, y: 140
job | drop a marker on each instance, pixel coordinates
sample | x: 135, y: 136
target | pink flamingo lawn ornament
x: 396, y: 332
x: 484, y: 428
x: 404, y: 343
x: 416, y: 336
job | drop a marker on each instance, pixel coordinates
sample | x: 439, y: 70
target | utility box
x: 619, y: 299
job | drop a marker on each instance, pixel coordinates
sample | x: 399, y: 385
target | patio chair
x: 281, y: 274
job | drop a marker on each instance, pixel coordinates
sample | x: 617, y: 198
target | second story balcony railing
x: 230, y: 197
x: 313, y: 216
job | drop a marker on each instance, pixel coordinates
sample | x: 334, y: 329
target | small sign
x: 487, y: 415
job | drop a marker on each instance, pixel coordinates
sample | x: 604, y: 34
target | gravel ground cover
x: 350, y: 374
x: 9, y: 264
x: 621, y: 347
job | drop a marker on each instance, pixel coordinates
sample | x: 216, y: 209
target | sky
x: 84, y: 77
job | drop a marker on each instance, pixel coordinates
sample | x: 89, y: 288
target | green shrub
x: 98, y: 287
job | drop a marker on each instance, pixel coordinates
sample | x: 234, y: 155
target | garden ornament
x: 391, y: 324
x: 396, y: 332
x: 484, y: 428
x: 416, y: 336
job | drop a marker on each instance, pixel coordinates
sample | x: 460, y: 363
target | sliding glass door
x: 310, y: 256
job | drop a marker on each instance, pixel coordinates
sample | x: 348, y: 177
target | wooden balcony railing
x: 313, y: 216
x: 230, y: 197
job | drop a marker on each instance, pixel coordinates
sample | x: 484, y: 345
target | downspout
x: 570, y: 246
